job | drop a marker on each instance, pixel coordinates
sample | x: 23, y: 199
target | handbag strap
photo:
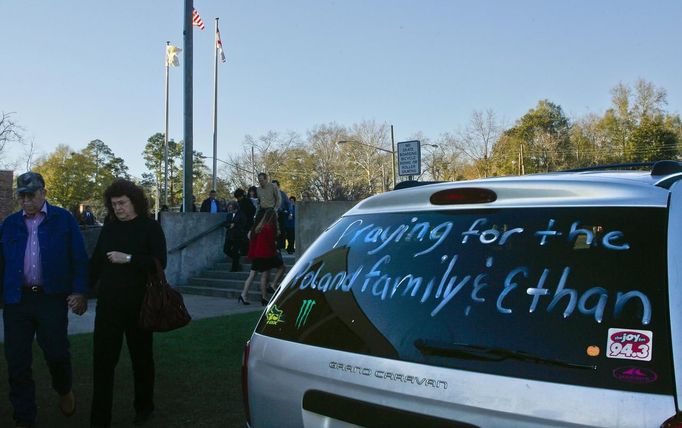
x: 160, y: 274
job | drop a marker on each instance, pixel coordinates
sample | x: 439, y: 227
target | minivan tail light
x: 245, y: 381
x: 465, y: 195
x: 673, y: 422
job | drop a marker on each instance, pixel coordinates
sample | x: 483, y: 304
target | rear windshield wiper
x: 475, y: 352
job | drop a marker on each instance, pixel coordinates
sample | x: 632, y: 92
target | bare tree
x: 369, y: 156
x: 10, y: 131
x: 649, y: 100
x: 327, y: 164
x: 29, y: 152
x: 447, y: 164
x: 432, y: 155
x: 477, y: 140
x: 591, y: 143
x: 266, y: 153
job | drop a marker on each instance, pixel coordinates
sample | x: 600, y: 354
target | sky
x: 77, y: 70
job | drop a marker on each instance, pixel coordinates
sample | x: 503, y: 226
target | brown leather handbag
x: 163, y: 308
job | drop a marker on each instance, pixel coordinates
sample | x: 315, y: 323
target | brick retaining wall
x: 7, y: 202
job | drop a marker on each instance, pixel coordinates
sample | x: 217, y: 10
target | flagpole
x: 215, y: 105
x: 165, y: 138
x: 188, y: 112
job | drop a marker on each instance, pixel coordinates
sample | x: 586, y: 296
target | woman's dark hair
x: 123, y: 187
x: 254, y: 190
x: 239, y: 193
x: 269, y: 217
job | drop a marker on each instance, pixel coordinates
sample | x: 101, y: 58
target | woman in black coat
x: 127, y: 246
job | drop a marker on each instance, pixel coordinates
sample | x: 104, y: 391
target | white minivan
x: 550, y: 300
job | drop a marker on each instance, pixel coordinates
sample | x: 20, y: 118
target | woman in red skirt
x: 263, y: 254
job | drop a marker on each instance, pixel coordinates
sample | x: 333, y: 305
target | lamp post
x: 392, y: 152
x: 435, y: 146
x: 253, y: 167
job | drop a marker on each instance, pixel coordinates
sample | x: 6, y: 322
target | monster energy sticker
x: 304, y: 312
x: 275, y: 316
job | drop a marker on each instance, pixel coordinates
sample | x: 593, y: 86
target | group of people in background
x: 259, y: 225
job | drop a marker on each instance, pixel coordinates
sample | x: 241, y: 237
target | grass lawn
x: 198, y: 378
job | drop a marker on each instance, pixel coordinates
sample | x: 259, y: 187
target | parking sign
x: 409, y: 158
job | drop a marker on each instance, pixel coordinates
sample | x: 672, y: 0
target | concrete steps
x: 218, y: 281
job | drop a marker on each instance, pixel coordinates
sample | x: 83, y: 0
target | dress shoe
x: 67, y: 404
x: 143, y: 417
x: 264, y: 301
x: 270, y: 289
x: 240, y: 299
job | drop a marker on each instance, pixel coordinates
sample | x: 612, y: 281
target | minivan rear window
x: 573, y: 295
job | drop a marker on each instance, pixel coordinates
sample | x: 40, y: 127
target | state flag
x: 219, y: 46
x: 196, y: 20
x: 172, y: 55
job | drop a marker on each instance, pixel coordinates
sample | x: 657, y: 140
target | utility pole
x: 522, y: 169
x: 393, y: 157
x: 253, y: 166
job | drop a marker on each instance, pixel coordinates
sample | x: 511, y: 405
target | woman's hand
x: 78, y: 303
x: 118, y: 257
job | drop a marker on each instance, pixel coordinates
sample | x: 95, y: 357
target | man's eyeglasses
x: 26, y: 196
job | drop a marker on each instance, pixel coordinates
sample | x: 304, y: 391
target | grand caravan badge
x: 387, y: 375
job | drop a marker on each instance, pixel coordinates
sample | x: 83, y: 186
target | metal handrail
x: 197, y: 237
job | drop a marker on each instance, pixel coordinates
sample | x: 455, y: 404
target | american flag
x: 196, y: 20
x: 219, y: 45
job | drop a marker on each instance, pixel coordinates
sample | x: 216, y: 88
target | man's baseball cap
x: 30, y: 182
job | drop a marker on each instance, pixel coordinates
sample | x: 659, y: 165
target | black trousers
x: 291, y: 239
x: 281, y: 221
x: 45, y: 317
x: 112, y: 322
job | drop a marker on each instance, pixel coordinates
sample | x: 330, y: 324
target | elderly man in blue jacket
x: 44, y: 273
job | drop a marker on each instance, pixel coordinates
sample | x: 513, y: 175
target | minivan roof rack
x: 666, y: 167
x: 413, y: 183
x: 611, y: 166
x: 658, y: 168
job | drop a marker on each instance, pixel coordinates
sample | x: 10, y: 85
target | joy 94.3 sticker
x: 630, y: 344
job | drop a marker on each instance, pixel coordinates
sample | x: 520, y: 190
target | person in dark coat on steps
x: 236, y: 242
x: 246, y: 207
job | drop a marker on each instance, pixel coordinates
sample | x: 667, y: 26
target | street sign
x: 409, y: 158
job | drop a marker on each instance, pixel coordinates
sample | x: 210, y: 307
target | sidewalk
x: 198, y: 306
